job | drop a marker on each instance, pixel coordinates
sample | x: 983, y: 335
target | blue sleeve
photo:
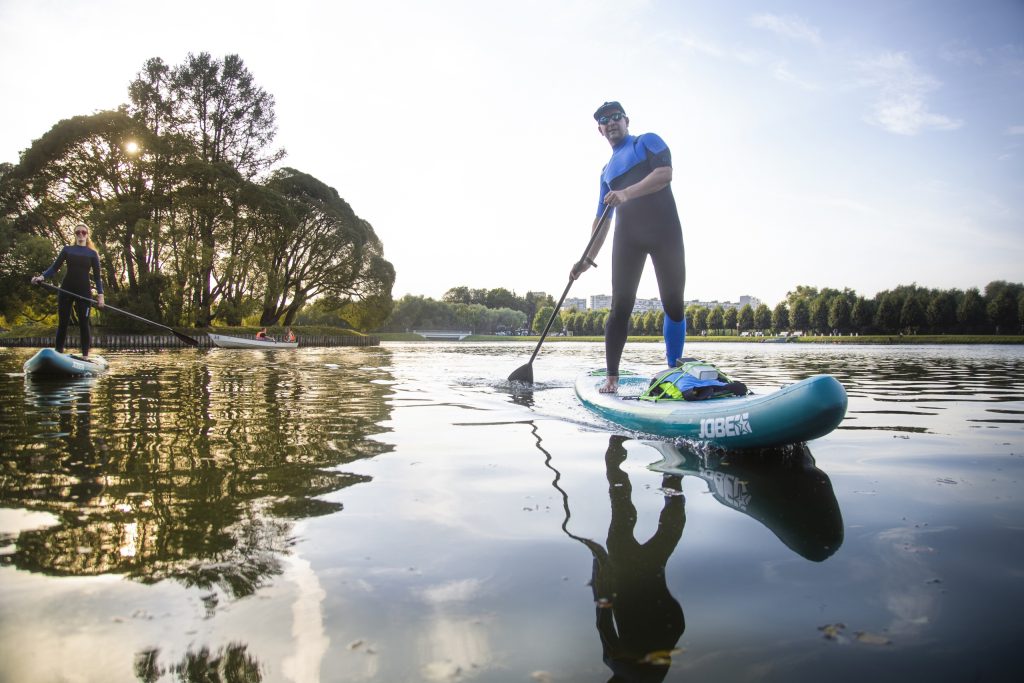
x: 52, y: 270
x: 657, y: 151
x: 600, y: 200
x: 96, y: 272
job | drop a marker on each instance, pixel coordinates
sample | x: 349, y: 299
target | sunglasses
x: 81, y: 232
x: 617, y: 116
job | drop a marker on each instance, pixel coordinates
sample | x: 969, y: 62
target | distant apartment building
x: 747, y: 299
x: 578, y: 304
x: 643, y: 305
x: 603, y: 301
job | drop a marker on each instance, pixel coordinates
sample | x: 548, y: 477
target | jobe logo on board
x: 731, y: 425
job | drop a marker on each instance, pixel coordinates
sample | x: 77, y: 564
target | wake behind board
x: 795, y: 413
x: 51, y: 363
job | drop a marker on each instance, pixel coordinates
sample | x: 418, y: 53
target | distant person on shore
x: 636, y: 183
x: 262, y: 334
x: 81, y: 258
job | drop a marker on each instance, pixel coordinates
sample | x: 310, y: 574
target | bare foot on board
x: 611, y: 385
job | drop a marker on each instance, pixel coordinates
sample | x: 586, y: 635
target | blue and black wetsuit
x: 80, y: 260
x: 647, y: 225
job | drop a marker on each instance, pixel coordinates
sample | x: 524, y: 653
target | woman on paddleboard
x: 81, y: 258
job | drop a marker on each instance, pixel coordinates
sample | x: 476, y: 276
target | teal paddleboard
x: 796, y: 413
x: 51, y: 363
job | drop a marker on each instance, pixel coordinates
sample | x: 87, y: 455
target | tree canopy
x: 192, y: 222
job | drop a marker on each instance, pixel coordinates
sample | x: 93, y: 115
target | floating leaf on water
x: 660, y: 657
x: 871, y: 638
x: 832, y: 631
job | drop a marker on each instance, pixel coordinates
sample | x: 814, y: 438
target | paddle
x: 524, y: 373
x: 185, y: 338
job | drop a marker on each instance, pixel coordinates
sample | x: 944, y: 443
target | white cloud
x: 1015, y: 130
x: 787, y: 27
x: 902, y: 89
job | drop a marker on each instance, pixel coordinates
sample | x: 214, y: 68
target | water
x: 401, y: 513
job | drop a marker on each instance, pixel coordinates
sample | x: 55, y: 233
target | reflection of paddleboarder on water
x: 638, y: 619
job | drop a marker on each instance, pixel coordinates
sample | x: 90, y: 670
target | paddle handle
x: 593, y: 238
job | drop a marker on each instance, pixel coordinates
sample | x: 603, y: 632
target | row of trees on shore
x: 194, y: 219
x: 909, y: 309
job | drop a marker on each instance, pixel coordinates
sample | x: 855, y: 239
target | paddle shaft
x: 593, y: 238
x: 185, y: 338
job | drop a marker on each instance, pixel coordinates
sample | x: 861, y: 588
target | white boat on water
x: 225, y: 342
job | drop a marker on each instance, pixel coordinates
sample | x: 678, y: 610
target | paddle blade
x: 187, y: 339
x: 522, y: 374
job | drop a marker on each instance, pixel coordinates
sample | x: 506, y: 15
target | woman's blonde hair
x: 88, y: 237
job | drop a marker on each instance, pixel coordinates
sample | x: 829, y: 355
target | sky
x: 856, y: 145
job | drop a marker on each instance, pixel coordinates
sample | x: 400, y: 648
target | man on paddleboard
x: 636, y: 184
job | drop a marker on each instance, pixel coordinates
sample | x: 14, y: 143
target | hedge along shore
x: 139, y: 342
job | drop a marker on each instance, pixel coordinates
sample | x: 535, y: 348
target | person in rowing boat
x: 289, y: 336
x: 81, y: 258
x: 262, y: 335
x: 636, y: 184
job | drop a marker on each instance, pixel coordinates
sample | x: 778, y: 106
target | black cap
x: 608, y: 108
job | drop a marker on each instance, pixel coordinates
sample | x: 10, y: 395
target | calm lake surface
x: 401, y: 513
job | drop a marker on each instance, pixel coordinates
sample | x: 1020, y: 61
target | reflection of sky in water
x: 412, y: 531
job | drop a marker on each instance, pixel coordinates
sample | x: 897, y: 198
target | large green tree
x: 313, y: 243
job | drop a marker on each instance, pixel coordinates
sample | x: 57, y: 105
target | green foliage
x: 970, y: 314
x: 863, y: 315
x: 780, y: 317
x: 941, y: 312
x: 839, y: 314
x: 745, y: 318
x: 716, y: 320
x: 422, y: 313
x: 499, y: 298
x: 800, y: 316
x: 540, y: 320
x: 762, y: 317
x: 190, y: 228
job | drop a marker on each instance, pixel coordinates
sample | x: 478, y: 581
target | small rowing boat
x: 52, y: 363
x: 225, y: 342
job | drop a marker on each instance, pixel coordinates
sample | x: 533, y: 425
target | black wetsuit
x: 645, y: 225
x: 80, y: 260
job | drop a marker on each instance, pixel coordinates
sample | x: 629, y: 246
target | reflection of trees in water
x: 231, y: 664
x: 191, y: 471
